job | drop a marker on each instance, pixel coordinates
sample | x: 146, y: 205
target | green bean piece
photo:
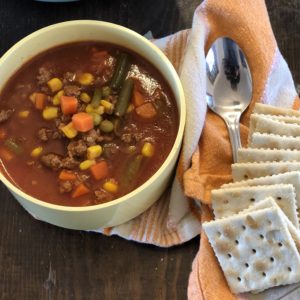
x: 106, y: 126
x: 124, y: 97
x: 96, y: 98
x: 132, y: 169
x: 120, y: 71
x: 106, y: 91
x: 12, y: 145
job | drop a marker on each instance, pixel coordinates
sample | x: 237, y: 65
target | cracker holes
x: 279, y: 198
x: 272, y: 259
x: 236, y: 241
x: 239, y: 279
x: 269, y: 222
x: 225, y: 201
x: 219, y: 233
x: 246, y: 265
x: 254, y: 251
x: 229, y: 255
x: 246, y: 176
x: 289, y: 269
x: 243, y: 227
x: 261, y: 236
x: 252, y: 199
x: 264, y: 274
x: 280, y: 244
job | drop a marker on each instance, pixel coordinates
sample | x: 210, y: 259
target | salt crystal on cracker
x: 229, y: 201
x: 255, y: 250
x: 245, y: 155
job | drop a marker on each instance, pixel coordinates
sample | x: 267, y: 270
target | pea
x: 106, y: 126
x: 96, y: 118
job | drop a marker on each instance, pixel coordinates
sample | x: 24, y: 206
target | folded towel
x: 175, y: 218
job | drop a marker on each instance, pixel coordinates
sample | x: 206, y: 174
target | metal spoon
x: 229, y: 86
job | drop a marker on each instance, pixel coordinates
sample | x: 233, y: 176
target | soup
x: 85, y: 123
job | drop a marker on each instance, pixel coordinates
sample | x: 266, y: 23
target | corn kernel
x: 86, y: 164
x: 36, y: 151
x: 69, y: 131
x: 50, y: 112
x: 23, y: 114
x: 86, y: 79
x: 98, y: 110
x: 94, y: 151
x: 148, y: 149
x: 130, y: 108
x: 108, y: 107
x: 56, y: 98
x: 32, y: 97
x: 85, y: 97
x: 111, y: 186
x: 55, y: 84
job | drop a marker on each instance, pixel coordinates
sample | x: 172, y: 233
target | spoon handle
x: 233, y: 126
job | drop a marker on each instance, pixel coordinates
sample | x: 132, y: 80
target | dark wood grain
x: 40, y: 261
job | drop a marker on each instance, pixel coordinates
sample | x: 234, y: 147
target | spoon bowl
x: 229, y: 86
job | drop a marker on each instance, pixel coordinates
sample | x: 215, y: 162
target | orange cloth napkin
x: 175, y: 218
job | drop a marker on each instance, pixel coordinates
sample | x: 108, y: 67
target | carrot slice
x: 146, y: 111
x: 137, y: 98
x: 67, y: 175
x: 80, y: 190
x: 82, y: 122
x: 99, y: 170
x: 6, y: 155
x: 40, y: 100
x: 68, y: 105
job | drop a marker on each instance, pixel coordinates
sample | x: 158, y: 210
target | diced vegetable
x: 106, y: 126
x: 56, y: 98
x: 146, y: 111
x: 124, y: 97
x: 94, y: 151
x: 110, y: 186
x: 132, y: 169
x: 68, y: 104
x: 82, y: 122
x: 106, y: 91
x: 36, y: 151
x: 96, y: 98
x: 108, y: 107
x: 32, y: 98
x: 55, y: 84
x: 69, y: 131
x: 130, y: 108
x: 137, y: 98
x: 80, y: 190
x: 98, y: 110
x: 85, y: 97
x: 67, y: 175
x: 23, y: 114
x: 148, y: 149
x: 86, y: 164
x: 50, y: 112
x: 99, y: 170
x: 5, y: 154
x: 3, y: 133
x: 120, y: 71
x: 96, y: 118
x: 86, y: 79
x: 13, y: 146
x: 40, y: 100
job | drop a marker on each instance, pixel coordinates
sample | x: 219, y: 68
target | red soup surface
x: 85, y: 123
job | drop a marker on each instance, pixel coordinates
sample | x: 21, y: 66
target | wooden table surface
x: 40, y: 261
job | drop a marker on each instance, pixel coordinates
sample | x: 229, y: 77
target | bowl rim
x: 182, y: 114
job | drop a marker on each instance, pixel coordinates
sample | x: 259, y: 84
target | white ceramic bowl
x: 129, y: 206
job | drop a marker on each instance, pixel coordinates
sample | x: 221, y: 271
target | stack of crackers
x: 255, y: 234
